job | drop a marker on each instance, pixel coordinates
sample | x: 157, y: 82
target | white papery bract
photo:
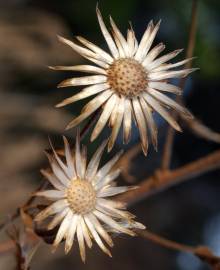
x: 130, y: 82
x: 82, y: 200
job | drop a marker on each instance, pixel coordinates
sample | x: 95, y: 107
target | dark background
x: 188, y: 213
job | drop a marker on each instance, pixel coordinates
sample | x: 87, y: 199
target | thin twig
x: 125, y: 163
x: 167, y: 152
x: 201, y: 130
x: 161, y: 180
x: 202, y: 252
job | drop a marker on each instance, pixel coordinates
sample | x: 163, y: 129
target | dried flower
x: 128, y: 83
x: 83, y: 204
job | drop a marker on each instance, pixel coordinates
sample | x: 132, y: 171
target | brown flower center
x: 81, y: 196
x: 127, y: 77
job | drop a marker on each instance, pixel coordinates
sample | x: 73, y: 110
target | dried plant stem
x: 125, y: 163
x: 202, y: 252
x: 161, y: 180
x: 167, y: 152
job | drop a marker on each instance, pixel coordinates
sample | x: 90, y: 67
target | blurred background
x: 188, y: 213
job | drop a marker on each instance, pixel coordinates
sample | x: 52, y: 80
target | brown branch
x: 162, y: 180
x: 201, y: 130
x: 167, y: 152
x: 202, y: 252
x: 125, y: 163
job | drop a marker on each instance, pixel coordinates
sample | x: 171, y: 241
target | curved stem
x: 167, y: 152
x: 162, y: 180
x: 202, y: 252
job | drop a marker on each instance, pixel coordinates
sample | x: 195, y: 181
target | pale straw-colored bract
x: 130, y: 83
x: 83, y: 205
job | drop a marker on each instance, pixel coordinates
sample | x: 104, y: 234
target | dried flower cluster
x: 82, y: 199
x: 128, y: 84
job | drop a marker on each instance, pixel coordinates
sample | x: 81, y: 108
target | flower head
x: 129, y: 83
x: 82, y: 200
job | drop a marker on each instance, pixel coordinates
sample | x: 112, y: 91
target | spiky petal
x: 130, y: 83
x: 83, y: 204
